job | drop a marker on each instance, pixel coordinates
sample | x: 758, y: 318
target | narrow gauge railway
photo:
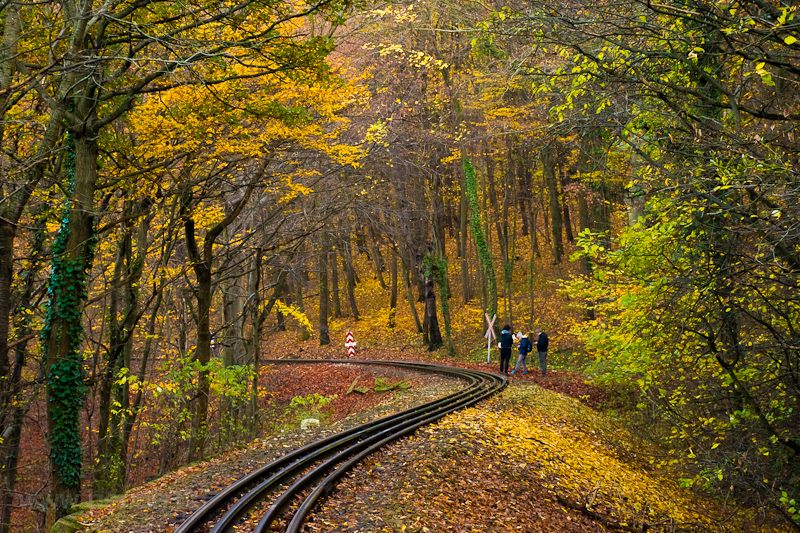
x: 301, y: 477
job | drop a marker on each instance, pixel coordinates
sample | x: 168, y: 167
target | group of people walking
x: 525, y: 346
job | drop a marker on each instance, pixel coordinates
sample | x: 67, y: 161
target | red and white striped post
x: 350, y: 343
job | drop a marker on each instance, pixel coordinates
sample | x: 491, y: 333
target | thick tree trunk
x: 230, y: 350
x: 255, y: 340
x: 434, y: 334
x: 63, y: 329
x: 12, y: 210
x: 202, y: 355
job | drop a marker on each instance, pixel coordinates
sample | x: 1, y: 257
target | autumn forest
x: 189, y: 190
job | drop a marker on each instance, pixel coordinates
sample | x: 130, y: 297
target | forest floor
x: 537, y: 457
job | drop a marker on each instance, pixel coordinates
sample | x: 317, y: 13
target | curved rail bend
x: 314, y: 468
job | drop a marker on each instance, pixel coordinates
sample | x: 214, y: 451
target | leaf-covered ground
x: 527, y: 460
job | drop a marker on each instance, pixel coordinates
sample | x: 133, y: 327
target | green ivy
x: 485, y: 257
x: 66, y: 296
x: 66, y: 401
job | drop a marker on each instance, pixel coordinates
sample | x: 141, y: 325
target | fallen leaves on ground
x: 517, y: 462
x: 162, y: 504
x: 529, y: 460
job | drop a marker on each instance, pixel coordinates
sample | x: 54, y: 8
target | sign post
x: 350, y: 343
x: 490, y: 336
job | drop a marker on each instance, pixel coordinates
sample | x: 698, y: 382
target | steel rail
x: 331, y: 457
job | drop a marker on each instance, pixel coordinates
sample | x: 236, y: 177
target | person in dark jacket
x: 525, y: 346
x: 505, y: 344
x: 541, y: 347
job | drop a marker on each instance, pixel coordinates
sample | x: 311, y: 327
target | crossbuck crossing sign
x: 489, y: 336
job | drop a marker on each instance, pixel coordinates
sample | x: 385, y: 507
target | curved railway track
x: 305, y: 475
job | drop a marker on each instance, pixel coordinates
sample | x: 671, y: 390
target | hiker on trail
x: 541, y: 347
x: 525, y: 346
x: 505, y: 344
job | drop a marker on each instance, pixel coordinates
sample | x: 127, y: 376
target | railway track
x: 303, y: 476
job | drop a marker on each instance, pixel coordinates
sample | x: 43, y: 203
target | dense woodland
x: 182, y: 182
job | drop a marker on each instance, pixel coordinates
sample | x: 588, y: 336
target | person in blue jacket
x: 524, y: 346
x: 505, y: 344
x: 541, y: 347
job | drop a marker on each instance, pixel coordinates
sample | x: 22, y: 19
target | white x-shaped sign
x: 490, y: 332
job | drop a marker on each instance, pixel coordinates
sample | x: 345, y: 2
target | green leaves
x: 476, y: 225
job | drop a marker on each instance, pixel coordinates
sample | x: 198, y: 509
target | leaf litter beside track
x: 162, y: 504
x: 517, y: 463
x: 479, y: 470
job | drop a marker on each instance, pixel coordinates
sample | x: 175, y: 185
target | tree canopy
x: 185, y: 183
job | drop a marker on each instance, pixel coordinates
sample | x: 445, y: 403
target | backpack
x: 528, y: 346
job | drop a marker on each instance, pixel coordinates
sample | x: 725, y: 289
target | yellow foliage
x: 291, y: 310
x: 576, y: 453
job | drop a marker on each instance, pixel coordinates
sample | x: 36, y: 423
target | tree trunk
x: 298, y: 291
x: 7, y: 235
x: 377, y: 258
x: 351, y: 281
x: 14, y: 405
x: 393, y: 299
x: 136, y: 405
x: 324, y: 337
x: 410, y: 296
x: 337, y: 304
x: 255, y: 340
x: 281, y: 318
x: 505, y: 237
x: 524, y: 186
x: 564, y: 184
x: 434, y: 334
x: 481, y: 246
x: 11, y: 211
x: 73, y: 254
x: 549, y: 164
x: 463, y: 246
x: 104, y: 473
x: 202, y: 354
x: 492, y: 195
